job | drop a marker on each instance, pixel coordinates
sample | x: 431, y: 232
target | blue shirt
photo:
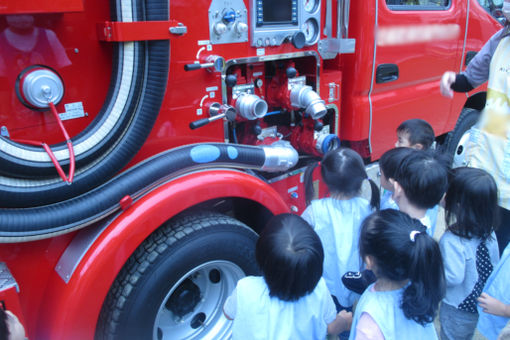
x: 497, y: 286
x: 384, y: 308
x: 261, y: 317
x: 338, y: 223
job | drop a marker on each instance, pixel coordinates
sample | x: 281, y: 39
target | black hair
x: 391, y: 159
x: 4, y: 329
x: 471, y: 203
x: 290, y: 255
x: 343, y: 171
x: 419, y: 131
x: 423, y: 175
x: 386, y: 237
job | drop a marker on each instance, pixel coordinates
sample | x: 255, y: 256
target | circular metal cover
x: 42, y: 86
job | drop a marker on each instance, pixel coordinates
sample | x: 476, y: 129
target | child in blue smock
x: 337, y: 219
x: 494, y: 303
x: 403, y: 302
x: 290, y: 300
x: 469, y: 248
x: 419, y: 183
x: 388, y: 165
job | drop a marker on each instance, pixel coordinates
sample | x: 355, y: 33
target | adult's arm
x: 477, y: 71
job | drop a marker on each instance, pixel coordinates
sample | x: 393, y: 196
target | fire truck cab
x: 145, y: 143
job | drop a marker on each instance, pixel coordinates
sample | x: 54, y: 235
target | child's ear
x: 417, y: 146
x: 397, y: 190
x: 369, y: 262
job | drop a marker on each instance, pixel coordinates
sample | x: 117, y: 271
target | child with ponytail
x: 337, y: 219
x: 403, y: 302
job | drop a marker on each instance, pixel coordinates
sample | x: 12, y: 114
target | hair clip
x: 412, y: 235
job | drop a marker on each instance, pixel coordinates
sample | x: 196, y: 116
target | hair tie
x: 412, y: 235
x: 318, y: 163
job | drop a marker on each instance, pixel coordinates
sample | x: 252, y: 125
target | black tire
x: 182, y: 257
x: 454, y: 146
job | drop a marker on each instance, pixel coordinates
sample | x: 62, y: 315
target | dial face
x: 310, y: 5
x: 311, y: 30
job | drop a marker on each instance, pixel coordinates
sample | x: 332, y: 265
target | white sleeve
x: 307, y: 215
x: 329, y: 308
x: 230, y: 306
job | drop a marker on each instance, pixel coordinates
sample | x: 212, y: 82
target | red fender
x: 71, y: 310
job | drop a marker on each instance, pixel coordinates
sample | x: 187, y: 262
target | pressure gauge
x: 310, y: 5
x: 311, y: 30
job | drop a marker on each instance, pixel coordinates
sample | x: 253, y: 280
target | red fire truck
x: 144, y: 144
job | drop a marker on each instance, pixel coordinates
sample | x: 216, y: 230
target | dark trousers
x: 503, y: 229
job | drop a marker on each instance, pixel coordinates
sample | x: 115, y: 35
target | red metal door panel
x: 422, y: 44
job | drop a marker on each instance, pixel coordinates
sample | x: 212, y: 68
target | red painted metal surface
x: 40, y: 6
x: 135, y: 31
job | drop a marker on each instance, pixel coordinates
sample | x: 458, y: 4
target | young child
x: 337, y: 219
x: 419, y: 184
x: 388, y: 165
x: 290, y: 300
x: 407, y: 262
x: 416, y: 134
x: 494, y: 307
x: 469, y: 248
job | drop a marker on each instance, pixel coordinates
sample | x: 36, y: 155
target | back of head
x: 343, y: 171
x: 402, y: 250
x: 471, y: 203
x: 419, y: 132
x: 290, y: 255
x: 391, y: 159
x: 423, y: 176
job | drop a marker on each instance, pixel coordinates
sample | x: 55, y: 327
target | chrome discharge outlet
x: 251, y: 106
x: 280, y: 156
x: 303, y: 96
x: 327, y: 142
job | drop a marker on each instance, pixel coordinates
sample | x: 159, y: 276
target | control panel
x: 274, y: 22
x: 228, y: 22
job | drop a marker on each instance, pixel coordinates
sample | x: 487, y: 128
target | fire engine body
x: 190, y: 123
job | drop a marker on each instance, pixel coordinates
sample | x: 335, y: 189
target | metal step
x: 7, y: 281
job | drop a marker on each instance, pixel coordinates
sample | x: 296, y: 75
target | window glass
x: 494, y: 8
x: 414, y: 5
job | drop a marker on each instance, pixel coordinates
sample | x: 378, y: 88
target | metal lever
x: 217, y: 112
x: 212, y: 63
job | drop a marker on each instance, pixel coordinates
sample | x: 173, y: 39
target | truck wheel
x: 175, y: 283
x: 457, y: 139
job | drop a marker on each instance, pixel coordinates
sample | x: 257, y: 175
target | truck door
x: 416, y: 42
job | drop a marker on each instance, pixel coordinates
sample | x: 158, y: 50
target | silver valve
x: 213, y: 63
x: 216, y: 112
x: 251, y: 106
x: 303, y: 96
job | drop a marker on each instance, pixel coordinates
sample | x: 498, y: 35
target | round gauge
x: 310, y: 5
x: 311, y: 30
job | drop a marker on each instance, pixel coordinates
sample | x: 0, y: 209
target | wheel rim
x: 193, y: 307
x: 459, y: 156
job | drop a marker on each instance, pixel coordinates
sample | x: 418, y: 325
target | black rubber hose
x: 148, y: 104
x: 19, y: 225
